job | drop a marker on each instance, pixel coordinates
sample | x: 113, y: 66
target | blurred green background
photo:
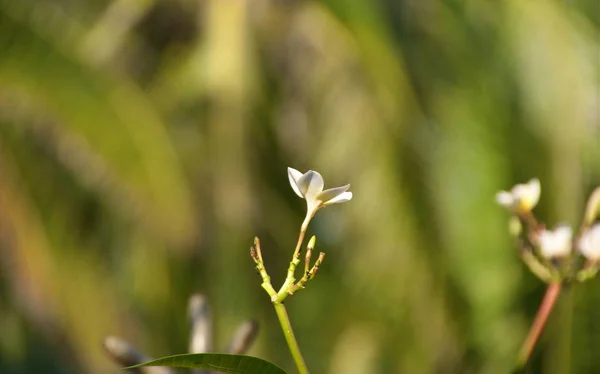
x: 143, y: 144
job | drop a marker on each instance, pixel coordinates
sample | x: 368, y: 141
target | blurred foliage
x: 143, y: 143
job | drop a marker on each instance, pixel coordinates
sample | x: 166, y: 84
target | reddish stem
x: 539, y: 322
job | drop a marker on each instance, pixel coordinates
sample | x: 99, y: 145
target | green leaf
x: 236, y: 364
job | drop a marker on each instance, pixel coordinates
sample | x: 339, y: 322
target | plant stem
x: 284, y: 320
x: 308, y: 275
x: 539, y: 322
x: 559, y: 353
x: 289, y: 279
x: 303, y: 229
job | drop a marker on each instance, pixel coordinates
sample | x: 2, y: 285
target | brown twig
x: 243, y: 338
x: 539, y: 322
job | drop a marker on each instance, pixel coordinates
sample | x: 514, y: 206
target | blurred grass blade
x: 122, y: 144
x: 235, y: 364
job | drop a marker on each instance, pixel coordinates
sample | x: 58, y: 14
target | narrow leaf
x: 227, y: 363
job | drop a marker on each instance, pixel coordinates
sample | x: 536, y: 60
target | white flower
x: 589, y: 243
x: 556, y: 243
x: 522, y: 197
x: 310, y: 185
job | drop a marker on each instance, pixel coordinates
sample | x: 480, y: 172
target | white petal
x: 310, y: 185
x: 294, y: 175
x: 331, y: 193
x: 505, y: 199
x: 563, y: 234
x: 589, y: 244
x: 535, y: 189
x: 522, y: 197
x: 530, y: 194
x: 346, y: 196
x: 556, y: 243
x: 526, y: 195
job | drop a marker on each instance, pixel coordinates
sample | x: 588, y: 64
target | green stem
x: 284, y: 320
x: 290, y: 279
x: 308, y: 275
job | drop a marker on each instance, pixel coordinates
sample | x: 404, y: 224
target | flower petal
x: 556, y: 243
x: 505, y: 199
x: 294, y: 175
x: 564, y: 234
x: 310, y: 185
x: 331, y: 193
x: 589, y: 243
x: 522, y: 197
x: 535, y: 187
x: 528, y: 194
x: 342, y: 198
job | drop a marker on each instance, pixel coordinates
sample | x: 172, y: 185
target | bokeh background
x: 143, y: 143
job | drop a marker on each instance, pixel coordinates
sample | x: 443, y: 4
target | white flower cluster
x: 557, y: 243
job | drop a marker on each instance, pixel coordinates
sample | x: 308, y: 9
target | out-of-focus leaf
x: 108, y: 118
x: 235, y: 364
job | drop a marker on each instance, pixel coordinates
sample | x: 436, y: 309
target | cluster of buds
x: 553, y: 255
